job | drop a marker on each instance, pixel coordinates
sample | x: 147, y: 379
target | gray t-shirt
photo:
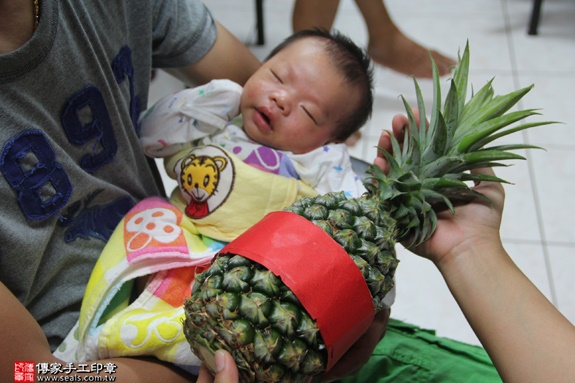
x: 70, y: 159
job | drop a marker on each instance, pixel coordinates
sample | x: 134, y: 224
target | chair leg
x: 260, y: 22
x: 535, y: 13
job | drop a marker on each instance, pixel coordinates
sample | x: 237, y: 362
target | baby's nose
x: 282, y: 100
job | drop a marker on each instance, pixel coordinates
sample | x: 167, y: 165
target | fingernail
x: 220, y: 361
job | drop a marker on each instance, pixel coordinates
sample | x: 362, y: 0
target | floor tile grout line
x: 529, y: 157
x: 535, y: 242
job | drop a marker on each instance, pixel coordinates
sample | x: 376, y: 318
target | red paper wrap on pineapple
x: 317, y: 270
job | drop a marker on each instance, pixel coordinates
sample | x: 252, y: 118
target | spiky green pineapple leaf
x: 420, y: 131
x: 479, y: 165
x: 493, y: 137
x: 451, y: 111
x: 496, y: 107
x: 485, y: 129
x: 436, y: 107
x: 441, y: 183
x: 460, y: 77
x: 514, y: 147
x: 411, y: 117
x: 478, y: 101
x: 437, y: 140
x: 489, y: 155
x: 410, y: 151
x: 476, y: 177
x: 432, y: 166
x: 441, y: 165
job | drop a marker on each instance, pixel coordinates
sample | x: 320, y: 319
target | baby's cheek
x: 252, y: 89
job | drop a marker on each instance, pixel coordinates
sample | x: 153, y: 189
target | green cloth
x: 411, y: 354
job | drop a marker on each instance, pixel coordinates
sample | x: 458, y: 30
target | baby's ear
x: 334, y: 140
x: 338, y: 140
x: 352, y: 138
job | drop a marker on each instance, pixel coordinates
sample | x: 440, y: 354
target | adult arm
x: 22, y: 339
x: 228, y: 59
x: 527, y: 338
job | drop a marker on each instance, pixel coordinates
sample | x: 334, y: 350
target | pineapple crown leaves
x: 430, y: 169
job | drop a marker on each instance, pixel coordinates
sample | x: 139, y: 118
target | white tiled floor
x: 538, y: 229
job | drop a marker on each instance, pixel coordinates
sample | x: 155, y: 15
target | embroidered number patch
x: 29, y: 165
x: 86, y: 118
x: 122, y: 67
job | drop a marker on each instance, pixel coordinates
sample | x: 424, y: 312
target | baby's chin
x: 261, y: 139
x: 249, y: 133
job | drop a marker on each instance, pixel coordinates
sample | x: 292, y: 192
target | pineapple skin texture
x: 258, y: 320
x: 240, y: 306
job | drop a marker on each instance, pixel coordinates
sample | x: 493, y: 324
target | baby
x: 313, y: 91
x: 237, y: 154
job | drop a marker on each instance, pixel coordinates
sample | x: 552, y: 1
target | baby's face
x: 295, y: 99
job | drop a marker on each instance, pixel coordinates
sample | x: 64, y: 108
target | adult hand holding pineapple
x: 474, y: 224
x: 273, y: 331
x: 226, y: 370
x: 527, y: 338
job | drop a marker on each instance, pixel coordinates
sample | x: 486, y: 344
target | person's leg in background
x: 308, y: 14
x: 387, y: 46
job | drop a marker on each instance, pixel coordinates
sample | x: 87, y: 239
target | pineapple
x: 239, y: 305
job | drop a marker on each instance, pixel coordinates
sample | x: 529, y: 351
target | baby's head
x: 314, y: 88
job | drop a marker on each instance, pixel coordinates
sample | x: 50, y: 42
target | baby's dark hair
x: 353, y: 63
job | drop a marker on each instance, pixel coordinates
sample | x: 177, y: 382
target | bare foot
x: 406, y: 56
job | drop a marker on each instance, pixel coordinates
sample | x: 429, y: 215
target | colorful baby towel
x: 154, y: 239
x: 168, y: 242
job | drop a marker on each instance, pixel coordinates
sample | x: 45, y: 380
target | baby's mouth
x: 263, y: 120
x: 265, y: 117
